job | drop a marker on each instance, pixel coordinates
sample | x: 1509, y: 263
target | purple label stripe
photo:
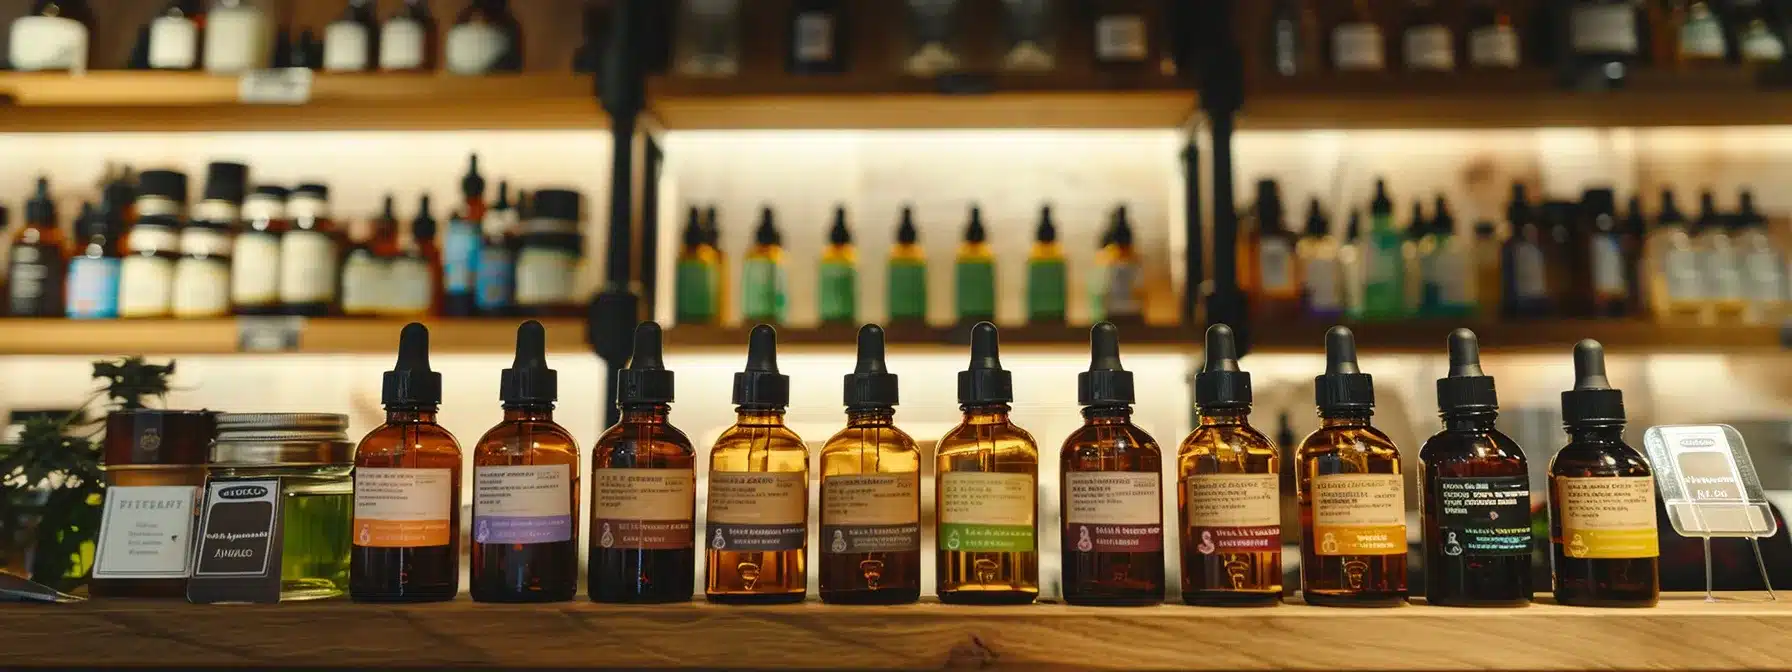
x: 521, y: 529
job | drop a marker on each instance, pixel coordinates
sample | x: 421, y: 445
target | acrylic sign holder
x: 1710, y: 489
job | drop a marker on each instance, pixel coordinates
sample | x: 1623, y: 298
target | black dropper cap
x: 985, y: 382
x: 1746, y: 215
x: 1381, y: 204
x: 1269, y: 205
x: 1120, y: 231
x: 974, y: 233
x: 1048, y: 230
x: 1221, y: 384
x: 410, y: 385
x: 561, y: 205
x: 1343, y: 387
x: 529, y: 381
x: 424, y: 226
x: 760, y: 386
x: 1466, y: 389
x: 1285, y: 434
x: 1418, y: 227
x: 168, y: 184
x: 906, y: 233
x: 225, y: 181
x: 767, y: 233
x: 389, y: 210
x: 1485, y: 230
x: 1593, y: 401
x: 1670, y: 214
x: 1634, y: 221
x: 41, y: 208
x: 1708, y: 217
x: 645, y: 380
x: 870, y: 383
x: 839, y: 234
x: 473, y: 184
x: 1518, y: 211
x: 1353, y: 230
x: 712, y: 231
x: 1317, y: 225
x: 503, y: 196
x: 1442, y: 222
x: 693, y: 228
x: 1106, y: 383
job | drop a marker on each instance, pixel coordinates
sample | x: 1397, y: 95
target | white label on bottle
x: 404, y: 508
x: 1603, y: 29
x: 215, y: 211
x: 236, y: 40
x: 1681, y: 268
x: 1529, y: 277
x: 1493, y: 47
x: 522, y: 505
x: 1120, y: 38
x: 144, y: 238
x: 173, y: 43
x: 409, y: 286
x: 157, y: 206
x: 1723, y: 271
x: 1703, y: 38
x: 307, y: 267
x: 1430, y: 48
x: 145, y: 285
x: 48, y: 43
x: 1323, y: 284
x: 146, y: 532
x: 1449, y: 274
x: 345, y: 47
x: 1275, y: 257
x: 205, y: 241
x: 1760, y: 45
x: 544, y: 276
x: 255, y: 269
x: 1766, y: 280
x: 401, y: 45
x: 364, y: 284
x: 814, y: 37
x: 1124, y: 295
x: 1357, y: 46
x: 263, y: 208
x: 307, y: 207
x: 201, y: 287
x: 1608, y: 267
x: 474, y: 48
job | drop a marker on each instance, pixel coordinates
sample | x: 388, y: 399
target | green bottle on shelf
x: 698, y: 263
x: 975, y: 273
x: 839, y: 276
x: 908, y: 274
x: 1384, y: 284
x: 762, y: 273
x: 1047, y: 274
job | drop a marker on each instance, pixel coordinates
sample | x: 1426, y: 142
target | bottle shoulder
x: 966, y: 432
x: 1126, y: 438
x: 507, y: 438
x: 1461, y: 445
x: 759, y: 437
x: 623, y: 438
x: 1348, y: 440
x: 393, y: 438
x: 1207, y: 438
x: 856, y: 438
x: 1599, y: 459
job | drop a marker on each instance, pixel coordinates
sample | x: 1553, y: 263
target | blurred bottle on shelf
x: 589, y: 57
x: 1384, y: 279
x: 1763, y: 266
x: 1631, y: 233
x: 1676, y: 284
x: 724, y: 282
x: 1601, y: 41
x: 414, y: 279
x: 548, y: 255
x: 1603, y: 287
x: 1356, y: 42
x: 93, y: 271
x: 1118, y: 288
x: 1350, y: 265
x: 1048, y: 276
x: 495, y: 287
x: 818, y: 37
x: 1293, y: 38
x: 1447, y: 260
x: 460, y: 248
x: 908, y: 274
x: 352, y: 41
x: 1488, y: 280
x: 709, y: 38
x: 762, y: 282
x: 37, y: 264
x: 1029, y: 42
x: 1701, y: 41
x: 1268, y: 269
x: 407, y: 41
x: 308, y: 254
x: 202, y: 276
x: 174, y: 36
x: 364, y: 273
x: 1123, y: 35
x: 1414, y: 248
x: 485, y: 39
x: 1719, y: 263
x: 304, y: 51
x: 238, y: 37
x: 1428, y: 44
x: 1557, y: 219
x: 1492, y: 42
x: 934, y: 38
x: 838, y: 289
x: 694, y: 294
x: 1524, y: 284
x: 974, y: 274
x: 54, y: 35
x: 255, y: 255
x: 1757, y: 43
x: 1320, y: 268
x: 146, y: 275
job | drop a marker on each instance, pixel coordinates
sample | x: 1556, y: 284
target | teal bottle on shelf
x: 975, y: 274
x: 762, y: 285
x: 1047, y: 276
x: 1384, y: 282
x: 695, y: 282
x: 839, y: 286
x: 908, y: 274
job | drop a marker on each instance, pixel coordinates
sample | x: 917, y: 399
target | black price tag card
x: 239, y: 543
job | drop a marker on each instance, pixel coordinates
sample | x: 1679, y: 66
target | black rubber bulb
x: 1048, y: 230
x: 762, y: 349
x: 1465, y: 354
x: 413, y: 349
x: 985, y: 348
x: 1340, y: 351
x: 839, y: 234
x: 871, y: 350
x: 647, y: 355
x: 906, y: 233
x: 767, y: 234
x: 531, y: 346
x: 1589, y: 366
x: 1104, y: 347
x: 871, y: 384
x: 974, y: 233
x: 1222, y: 350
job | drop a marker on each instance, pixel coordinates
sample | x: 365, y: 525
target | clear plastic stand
x: 1710, y: 489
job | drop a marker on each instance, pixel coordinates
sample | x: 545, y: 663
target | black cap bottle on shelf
x: 975, y: 273
x: 1047, y: 273
x: 870, y: 460
x: 758, y: 477
x: 908, y: 273
x: 408, y: 39
x: 37, y: 266
x: 1112, y: 542
x: 1227, y: 470
x: 93, y: 272
x: 1119, y: 294
x: 1603, y: 541
x: 838, y: 292
x: 695, y: 282
x: 462, y: 245
x: 762, y: 281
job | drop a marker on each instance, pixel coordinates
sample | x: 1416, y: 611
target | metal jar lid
x: 282, y: 453
x: 332, y: 423
x: 144, y: 438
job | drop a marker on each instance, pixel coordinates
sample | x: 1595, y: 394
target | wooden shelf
x: 316, y: 336
x: 1683, y: 633
x: 191, y: 101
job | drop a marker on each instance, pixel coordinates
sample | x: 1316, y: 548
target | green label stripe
x: 839, y: 291
x: 908, y: 290
x: 696, y: 300
x: 975, y: 538
x: 976, y: 289
x: 762, y: 290
x: 1046, y: 288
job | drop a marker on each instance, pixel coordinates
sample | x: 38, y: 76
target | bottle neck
x: 871, y: 416
x: 529, y: 413
x: 1469, y: 421
x: 1596, y: 434
x: 1343, y: 418
x: 1116, y: 414
x: 646, y: 413
x: 411, y: 416
x: 759, y: 417
x: 985, y: 414
x: 1223, y: 417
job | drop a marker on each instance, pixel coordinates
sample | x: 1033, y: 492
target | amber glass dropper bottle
x: 1111, y: 490
x: 1228, y: 490
x: 870, y: 492
x: 987, y: 493
x: 1352, y: 497
x: 1602, y: 538
x: 1476, y: 494
x: 758, y: 490
x: 643, y: 490
x: 407, y: 490
x: 526, y: 488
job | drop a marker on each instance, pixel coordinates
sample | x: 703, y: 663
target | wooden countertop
x: 1683, y: 633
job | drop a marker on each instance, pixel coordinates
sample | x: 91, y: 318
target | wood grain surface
x: 1683, y: 633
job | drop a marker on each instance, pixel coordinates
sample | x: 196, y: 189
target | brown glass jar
x: 155, y: 464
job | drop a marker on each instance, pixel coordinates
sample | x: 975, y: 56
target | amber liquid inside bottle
x: 865, y: 471
x: 1225, y: 454
x: 544, y: 571
x: 993, y: 457
x: 757, y: 535
x: 1359, y: 559
x: 1600, y: 452
x: 1469, y: 561
x: 409, y: 440
x: 1121, y: 468
x: 659, y: 563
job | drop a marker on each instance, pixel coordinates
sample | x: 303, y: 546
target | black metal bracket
x: 621, y: 88
x: 1221, y: 72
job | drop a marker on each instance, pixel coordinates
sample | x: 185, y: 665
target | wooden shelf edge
x: 1683, y: 633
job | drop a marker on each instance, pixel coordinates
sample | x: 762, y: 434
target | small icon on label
x: 1206, y: 546
x: 1451, y: 546
x: 366, y: 536
x: 839, y: 545
x: 1083, y: 542
x: 1329, y: 544
x: 484, y: 532
x: 1353, y: 573
x: 952, y: 541
x: 606, y: 540
x: 717, y: 542
x: 1237, y: 570
x: 1577, y: 547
